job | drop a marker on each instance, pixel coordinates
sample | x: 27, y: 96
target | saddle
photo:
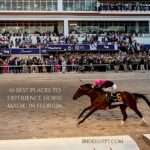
x: 113, y: 99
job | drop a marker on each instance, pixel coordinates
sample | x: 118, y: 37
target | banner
x: 107, y: 47
x: 5, y: 52
x: 146, y: 46
x: 63, y: 47
x: 82, y: 47
x: 25, y: 51
x: 43, y: 51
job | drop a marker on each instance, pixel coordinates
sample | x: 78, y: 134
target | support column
x: 137, y: 27
x: 60, y: 27
x: 149, y: 26
x: 66, y: 27
x: 60, y: 5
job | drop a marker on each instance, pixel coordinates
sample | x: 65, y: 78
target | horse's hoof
x: 122, y: 123
x: 78, y: 125
x: 143, y: 122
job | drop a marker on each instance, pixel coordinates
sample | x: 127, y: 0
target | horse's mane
x: 88, y: 85
x: 99, y: 89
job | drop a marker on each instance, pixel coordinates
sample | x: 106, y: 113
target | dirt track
x: 43, y: 121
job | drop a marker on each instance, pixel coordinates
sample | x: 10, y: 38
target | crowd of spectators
x: 77, y: 62
x: 131, y: 56
x: 42, y: 40
x: 128, y: 6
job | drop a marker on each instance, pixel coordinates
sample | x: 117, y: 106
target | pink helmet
x: 99, y: 82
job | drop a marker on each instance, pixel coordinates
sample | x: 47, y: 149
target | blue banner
x: 5, y: 52
x: 95, y: 47
x: 27, y: 51
x: 108, y: 47
x: 82, y: 47
x: 60, y: 47
x: 146, y: 46
x: 43, y: 51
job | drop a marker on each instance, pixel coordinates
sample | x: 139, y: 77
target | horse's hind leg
x: 81, y: 114
x: 123, y: 110
x: 141, y: 116
x: 136, y: 110
x: 138, y: 113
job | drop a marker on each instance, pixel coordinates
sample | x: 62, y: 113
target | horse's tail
x: 143, y: 97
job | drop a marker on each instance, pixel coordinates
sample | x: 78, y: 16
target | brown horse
x: 99, y: 100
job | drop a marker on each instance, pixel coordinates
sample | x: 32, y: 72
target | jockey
x: 107, y: 85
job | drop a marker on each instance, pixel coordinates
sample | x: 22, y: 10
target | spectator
x: 63, y: 65
x: 124, y: 6
x: 142, y: 64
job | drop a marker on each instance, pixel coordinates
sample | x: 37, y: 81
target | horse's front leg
x: 87, y: 115
x: 81, y: 114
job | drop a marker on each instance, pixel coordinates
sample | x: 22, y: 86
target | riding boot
x: 111, y: 100
x: 114, y: 97
x: 110, y: 106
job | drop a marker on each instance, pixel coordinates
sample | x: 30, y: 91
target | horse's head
x: 82, y: 90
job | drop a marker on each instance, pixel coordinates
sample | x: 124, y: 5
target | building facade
x: 75, y: 16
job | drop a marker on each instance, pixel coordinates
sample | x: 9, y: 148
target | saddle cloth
x: 116, y: 97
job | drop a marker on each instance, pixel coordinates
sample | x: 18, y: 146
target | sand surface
x: 57, y: 116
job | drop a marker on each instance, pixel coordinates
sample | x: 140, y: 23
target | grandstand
x: 74, y: 17
x: 66, y: 16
